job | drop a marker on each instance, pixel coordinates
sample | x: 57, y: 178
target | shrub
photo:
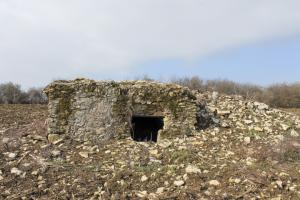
x: 284, y: 95
x: 194, y: 83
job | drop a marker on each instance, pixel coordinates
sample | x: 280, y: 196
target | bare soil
x: 292, y: 110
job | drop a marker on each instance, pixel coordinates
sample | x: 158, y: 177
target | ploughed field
x: 253, y: 154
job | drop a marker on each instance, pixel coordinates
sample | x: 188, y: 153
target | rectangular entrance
x: 145, y: 128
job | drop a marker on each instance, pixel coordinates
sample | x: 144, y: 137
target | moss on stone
x: 82, y: 106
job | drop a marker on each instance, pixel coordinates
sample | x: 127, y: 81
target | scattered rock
x: 164, y: 143
x: 16, y: 171
x: 12, y: 155
x: 55, y: 138
x: 38, y: 137
x: 144, y: 178
x: 35, y: 172
x: 153, y: 152
x: 214, y: 183
x: 5, y: 140
x: 261, y: 106
x: 247, y: 140
x: 294, y: 133
x: 277, y: 198
x: 185, y: 177
x: 258, y: 129
x: 293, y: 189
x: 84, y: 154
x: 142, y: 194
x: 248, y: 122
x: 279, y: 137
x: 215, y: 96
x: 40, y: 178
x: 179, y: 183
x: 235, y: 180
x: 160, y: 190
x: 250, y: 161
x: 191, y: 169
x: 224, y: 112
x: 285, y: 127
x: 56, y: 153
x: 279, y: 184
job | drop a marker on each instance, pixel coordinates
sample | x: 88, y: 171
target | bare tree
x: 36, y: 96
x: 10, y: 93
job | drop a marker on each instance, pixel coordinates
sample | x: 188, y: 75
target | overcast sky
x: 244, y: 40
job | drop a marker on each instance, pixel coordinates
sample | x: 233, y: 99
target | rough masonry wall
x: 88, y: 110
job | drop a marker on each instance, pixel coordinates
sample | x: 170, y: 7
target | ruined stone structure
x: 99, y: 110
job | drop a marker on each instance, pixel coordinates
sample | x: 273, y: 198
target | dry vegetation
x: 11, y: 93
x: 277, y: 95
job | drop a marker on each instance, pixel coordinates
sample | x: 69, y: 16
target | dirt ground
x: 292, y: 110
x: 254, y: 155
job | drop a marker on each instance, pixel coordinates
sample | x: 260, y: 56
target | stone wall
x: 98, y: 110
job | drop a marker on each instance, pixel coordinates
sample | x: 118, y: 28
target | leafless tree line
x: 277, y: 95
x: 11, y: 93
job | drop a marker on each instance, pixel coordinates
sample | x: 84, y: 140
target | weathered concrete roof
x: 60, y: 85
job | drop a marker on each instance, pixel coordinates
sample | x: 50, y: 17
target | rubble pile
x: 252, y: 152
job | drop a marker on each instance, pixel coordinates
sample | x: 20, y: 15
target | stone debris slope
x: 252, y: 152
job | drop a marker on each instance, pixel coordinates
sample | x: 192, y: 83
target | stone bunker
x: 88, y: 110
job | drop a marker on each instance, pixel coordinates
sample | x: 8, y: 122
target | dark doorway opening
x: 145, y: 128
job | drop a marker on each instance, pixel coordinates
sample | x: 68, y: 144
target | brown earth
x: 255, y: 154
x: 292, y: 110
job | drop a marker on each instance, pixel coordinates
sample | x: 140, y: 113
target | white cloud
x: 42, y: 40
